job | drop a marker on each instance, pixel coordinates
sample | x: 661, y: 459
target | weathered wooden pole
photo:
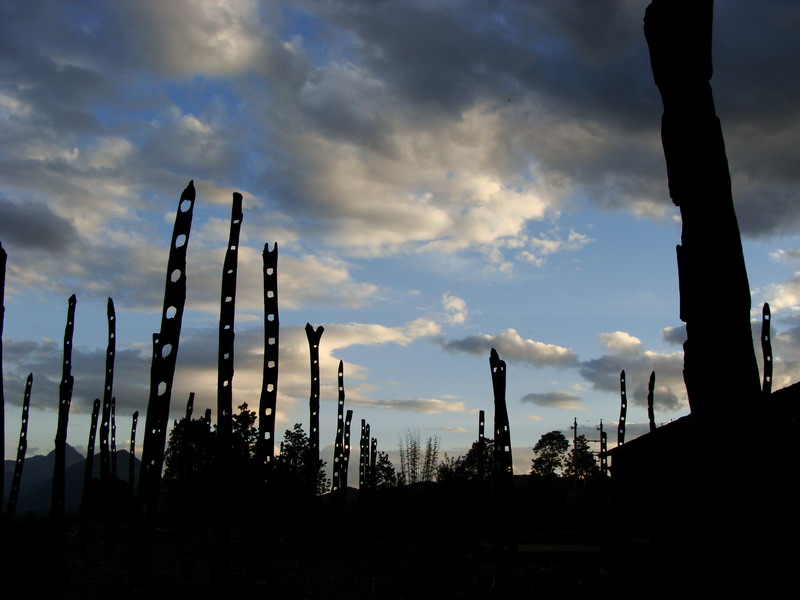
x: 502, y: 431
x: 105, y: 425
x: 268, y: 402
x: 3, y: 261
x: 651, y: 411
x: 87, y: 467
x: 113, y: 440
x: 21, y: 448
x: 502, y: 471
x: 363, y: 457
x: 132, y: 464
x: 312, y: 460
x: 338, y: 446
x: 766, y: 350
x: 373, y: 460
x: 162, y: 373
x: 227, y: 314
x: 189, y: 407
x: 623, y: 409
x: 603, y: 450
x: 710, y: 258
x: 64, y: 403
x: 346, y: 449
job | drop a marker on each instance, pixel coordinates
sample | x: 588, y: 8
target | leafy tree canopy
x: 550, y: 454
x: 582, y: 463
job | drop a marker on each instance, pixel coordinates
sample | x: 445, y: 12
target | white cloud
x: 540, y: 248
x: 620, y: 342
x: 455, y: 309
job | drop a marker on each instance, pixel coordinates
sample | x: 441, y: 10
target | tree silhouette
x: 290, y: 464
x: 385, y: 474
x: 550, y: 453
x: 581, y: 463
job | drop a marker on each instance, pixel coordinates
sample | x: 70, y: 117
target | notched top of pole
x: 678, y: 35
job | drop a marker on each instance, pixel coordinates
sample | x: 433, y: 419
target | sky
x: 441, y: 178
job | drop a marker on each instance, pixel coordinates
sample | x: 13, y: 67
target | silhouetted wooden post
x: 346, y: 450
x: 338, y: 447
x: 105, y: 425
x: 502, y: 472
x: 312, y: 460
x: 64, y: 402
x: 268, y: 403
x: 363, y: 458
x: 189, y: 407
x: 21, y: 448
x: 623, y: 409
x: 651, y: 413
x: 603, y: 449
x: 113, y: 439
x: 87, y: 468
x: 132, y: 464
x: 766, y: 350
x: 373, y: 459
x: 710, y: 259
x: 227, y: 314
x: 3, y: 261
x: 162, y: 373
x: 481, y: 442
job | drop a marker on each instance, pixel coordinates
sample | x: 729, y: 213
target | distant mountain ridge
x: 37, y: 476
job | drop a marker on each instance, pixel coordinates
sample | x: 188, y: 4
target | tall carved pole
x: 269, y: 385
x: 603, y: 449
x: 623, y: 409
x: 338, y: 447
x: 64, y: 402
x: 312, y: 460
x: 3, y: 260
x: 88, y: 465
x: 227, y: 313
x: 714, y: 289
x: 113, y: 439
x: 132, y: 464
x: 21, y: 448
x: 502, y: 432
x: 766, y: 350
x: 105, y: 425
x: 162, y: 371
x: 502, y: 472
x: 481, y: 442
x: 651, y: 411
x: 346, y: 449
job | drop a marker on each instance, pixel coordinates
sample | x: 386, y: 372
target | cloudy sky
x: 441, y: 178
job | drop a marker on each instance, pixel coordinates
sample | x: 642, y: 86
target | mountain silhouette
x: 37, y: 477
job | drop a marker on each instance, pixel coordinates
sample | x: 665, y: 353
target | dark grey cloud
x: 674, y: 335
x: 44, y: 360
x: 670, y: 393
x: 554, y: 400
x: 512, y: 347
x: 590, y: 68
x: 34, y: 225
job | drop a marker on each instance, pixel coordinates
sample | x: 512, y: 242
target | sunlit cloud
x: 512, y: 347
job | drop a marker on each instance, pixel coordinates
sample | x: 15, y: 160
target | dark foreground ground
x: 409, y: 547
